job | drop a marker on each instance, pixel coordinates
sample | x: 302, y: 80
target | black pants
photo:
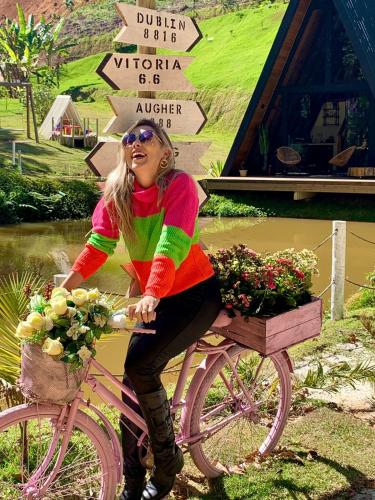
x: 180, y: 321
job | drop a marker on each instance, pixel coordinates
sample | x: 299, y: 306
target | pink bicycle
x: 235, y: 406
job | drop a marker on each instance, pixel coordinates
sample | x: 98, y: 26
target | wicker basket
x: 45, y: 380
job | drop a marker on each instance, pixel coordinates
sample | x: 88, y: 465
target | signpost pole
x: 148, y: 4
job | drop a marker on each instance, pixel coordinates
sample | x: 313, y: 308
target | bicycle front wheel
x: 30, y: 442
x: 239, y: 410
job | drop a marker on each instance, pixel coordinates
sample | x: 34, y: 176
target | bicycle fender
x: 113, y: 438
x: 288, y: 360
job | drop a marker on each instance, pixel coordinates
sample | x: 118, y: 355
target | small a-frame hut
x: 62, y: 113
x: 315, y: 95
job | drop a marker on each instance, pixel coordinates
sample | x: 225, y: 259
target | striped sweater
x: 165, y: 253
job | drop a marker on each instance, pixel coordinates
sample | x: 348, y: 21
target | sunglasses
x: 145, y: 136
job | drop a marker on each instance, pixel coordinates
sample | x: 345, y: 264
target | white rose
x: 72, y: 311
x: 59, y: 290
x: 52, y: 347
x: 24, y: 330
x: 84, y: 329
x: 59, y: 305
x: 36, y: 320
x: 48, y: 323
x: 79, y: 296
x: 84, y: 353
x: 120, y: 321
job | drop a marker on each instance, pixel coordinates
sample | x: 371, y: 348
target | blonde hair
x: 120, y: 182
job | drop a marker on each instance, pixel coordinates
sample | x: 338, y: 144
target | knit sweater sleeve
x: 181, y: 206
x: 102, y: 242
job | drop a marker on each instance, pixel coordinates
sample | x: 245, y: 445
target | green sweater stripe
x: 147, y: 234
x: 173, y: 243
x: 103, y: 243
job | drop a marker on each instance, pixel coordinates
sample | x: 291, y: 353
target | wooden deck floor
x: 300, y: 185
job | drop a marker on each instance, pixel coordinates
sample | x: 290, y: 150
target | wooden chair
x: 288, y: 156
x: 341, y: 159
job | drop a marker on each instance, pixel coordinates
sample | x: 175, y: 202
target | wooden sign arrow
x: 157, y: 29
x: 145, y: 72
x: 176, y: 117
x: 106, y: 155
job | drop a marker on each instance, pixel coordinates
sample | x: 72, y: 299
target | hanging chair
x: 288, y: 156
x: 341, y: 159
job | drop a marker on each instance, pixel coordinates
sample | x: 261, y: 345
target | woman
x: 155, y: 207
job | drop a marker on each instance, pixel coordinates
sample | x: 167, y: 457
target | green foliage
x: 43, y: 100
x: 222, y: 206
x: 30, y: 48
x: 365, y: 297
x: 13, y: 305
x: 335, y: 377
x: 215, y: 168
x: 33, y: 199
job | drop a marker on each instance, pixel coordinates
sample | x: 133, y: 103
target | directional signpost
x: 145, y: 72
x: 175, y: 116
x: 106, y: 155
x: 157, y: 29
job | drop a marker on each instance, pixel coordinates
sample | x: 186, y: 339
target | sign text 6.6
x: 155, y: 79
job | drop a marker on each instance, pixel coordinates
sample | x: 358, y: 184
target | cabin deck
x: 296, y: 185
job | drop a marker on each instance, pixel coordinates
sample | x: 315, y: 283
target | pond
x: 50, y: 247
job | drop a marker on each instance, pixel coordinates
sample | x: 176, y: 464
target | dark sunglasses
x: 145, y: 136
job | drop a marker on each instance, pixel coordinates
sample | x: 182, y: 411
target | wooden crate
x: 269, y: 335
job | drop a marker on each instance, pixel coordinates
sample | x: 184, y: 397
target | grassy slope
x: 227, y: 64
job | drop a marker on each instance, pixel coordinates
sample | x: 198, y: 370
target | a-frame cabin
x: 315, y: 96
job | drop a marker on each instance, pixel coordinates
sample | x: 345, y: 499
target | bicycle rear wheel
x: 233, y: 425
x: 28, y: 435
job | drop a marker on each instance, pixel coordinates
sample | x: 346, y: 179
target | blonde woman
x: 155, y: 207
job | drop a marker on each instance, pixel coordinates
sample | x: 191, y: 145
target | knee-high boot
x: 168, y: 458
x: 134, y: 471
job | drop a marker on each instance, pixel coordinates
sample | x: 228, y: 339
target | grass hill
x: 227, y: 64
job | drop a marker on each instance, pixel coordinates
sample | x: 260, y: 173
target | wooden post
x: 19, y: 161
x: 338, y: 269
x: 147, y: 4
x: 33, y: 114
x: 28, y: 133
x: 14, y: 153
x: 84, y: 132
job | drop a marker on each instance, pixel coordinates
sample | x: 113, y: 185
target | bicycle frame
x: 66, y: 420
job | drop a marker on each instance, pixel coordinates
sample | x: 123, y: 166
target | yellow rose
x: 84, y: 353
x: 93, y: 294
x: 36, y: 320
x: 59, y: 290
x: 24, y: 330
x: 59, y: 305
x: 52, y: 347
x: 79, y: 296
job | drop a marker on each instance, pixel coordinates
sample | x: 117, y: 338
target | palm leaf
x: 13, y: 305
x: 21, y: 18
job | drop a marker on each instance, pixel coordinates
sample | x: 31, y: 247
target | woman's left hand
x: 144, y: 310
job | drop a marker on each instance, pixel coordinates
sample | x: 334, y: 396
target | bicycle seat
x: 222, y: 320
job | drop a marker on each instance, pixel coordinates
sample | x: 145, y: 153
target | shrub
x: 365, y: 297
x: 226, y: 207
x: 32, y: 199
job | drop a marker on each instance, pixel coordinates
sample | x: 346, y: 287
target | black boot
x: 168, y: 458
x: 134, y: 471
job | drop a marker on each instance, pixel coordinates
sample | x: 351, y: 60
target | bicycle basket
x: 46, y: 380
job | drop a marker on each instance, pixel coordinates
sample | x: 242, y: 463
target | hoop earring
x: 163, y: 164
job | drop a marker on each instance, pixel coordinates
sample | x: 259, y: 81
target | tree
x: 28, y: 49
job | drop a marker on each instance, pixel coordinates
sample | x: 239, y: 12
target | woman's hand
x: 144, y: 310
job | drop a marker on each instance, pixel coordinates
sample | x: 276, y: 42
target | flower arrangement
x: 266, y: 285
x: 67, y: 324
